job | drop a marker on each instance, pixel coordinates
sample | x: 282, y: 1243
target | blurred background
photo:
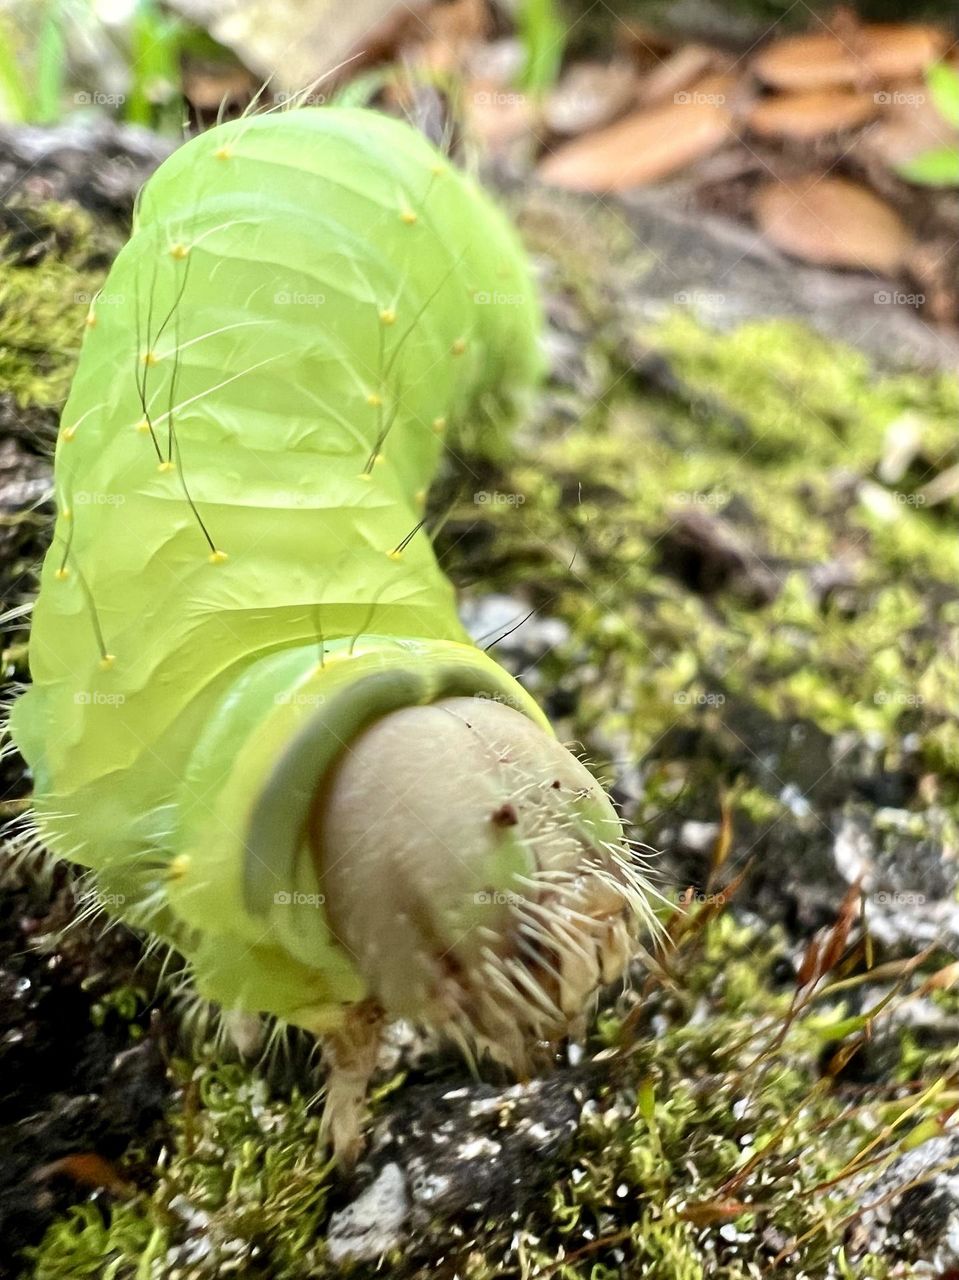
x: 722, y: 552
x: 832, y: 129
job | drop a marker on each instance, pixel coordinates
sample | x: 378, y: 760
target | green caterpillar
x: 254, y: 713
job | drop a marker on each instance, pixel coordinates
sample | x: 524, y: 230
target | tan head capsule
x: 474, y: 870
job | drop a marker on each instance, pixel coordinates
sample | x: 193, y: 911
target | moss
x: 688, y: 1159
x: 54, y: 261
x: 243, y: 1180
x: 709, y: 1142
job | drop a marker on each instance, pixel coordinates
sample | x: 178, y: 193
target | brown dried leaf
x: 86, y: 1169
x: 809, y: 969
x: 815, y: 114
x: 641, y: 149
x: 942, y: 980
x: 880, y: 52
x: 893, y: 50
x: 832, y: 222
x: 680, y: 70
x: 206, y: 87
x: 835, y: 941
x: 704, y: 1213
x: 724, y: 838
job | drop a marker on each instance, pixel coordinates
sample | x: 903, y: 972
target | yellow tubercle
x: 178, y: 251
x: 150, y: 358
x: 218, y: 557
x: 68, y: 433
x: 408, y: 216
x: 458, y: 347
x: 374, y: 400
x: 387, y: 316
x: 142, y: 426
x: 178, y: 866
x: 166, y: 465
x: 107, y: 661
x: 223, y: 153
x: 439, y: 425
x: 62, y: 574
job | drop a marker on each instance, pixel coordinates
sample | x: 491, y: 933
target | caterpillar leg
x: 351, y: 1053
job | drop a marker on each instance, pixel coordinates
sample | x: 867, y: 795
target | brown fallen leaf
x: 454, y: 30
x: 206, y: 87
x: 832, y: 222
x: 680, y: 70
x: 810, y: 115
x: 893, y: 50
x: 87, y: 1169
x: 705, y: 1213
x: 643, y: 148
x: 884, y: 51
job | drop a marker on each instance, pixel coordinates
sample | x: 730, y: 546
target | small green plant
x: 939, y: 166
x: 543, y: 34
x: 139, y: 63
x: 37, y: 97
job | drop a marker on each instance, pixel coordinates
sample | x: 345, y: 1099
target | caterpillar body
x: 254, y: 714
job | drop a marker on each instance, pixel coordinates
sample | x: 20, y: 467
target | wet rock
x: 444, y: 1153
x: 372, y: 1224
x: 100, y: 165
x: 915, y: 1217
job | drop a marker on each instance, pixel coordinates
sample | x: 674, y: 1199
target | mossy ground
x: 722, y: 1136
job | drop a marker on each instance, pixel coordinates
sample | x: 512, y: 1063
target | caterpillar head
x: 475, y: 871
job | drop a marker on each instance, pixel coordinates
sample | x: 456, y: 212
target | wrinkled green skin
x: 295, y: 284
